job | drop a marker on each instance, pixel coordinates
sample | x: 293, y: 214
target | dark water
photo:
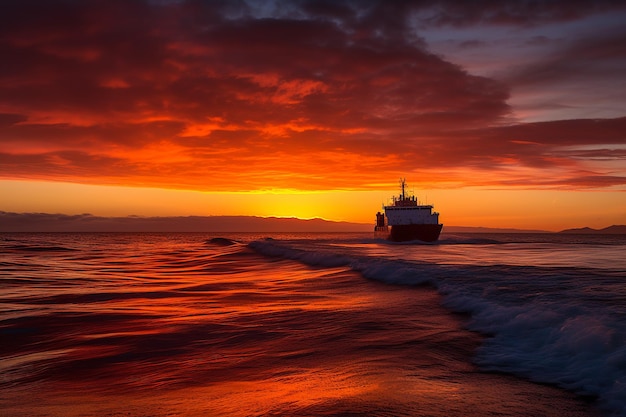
x: 211, y: 325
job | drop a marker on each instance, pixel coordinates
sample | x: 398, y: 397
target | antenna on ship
x: 402, y: 182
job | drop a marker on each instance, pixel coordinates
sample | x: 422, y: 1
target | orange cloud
x: 214, y: 97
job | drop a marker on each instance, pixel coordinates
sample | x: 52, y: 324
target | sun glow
x: 545, y: 210
x: 245, y: 112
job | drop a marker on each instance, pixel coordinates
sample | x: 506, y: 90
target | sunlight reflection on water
x: 156, y: 325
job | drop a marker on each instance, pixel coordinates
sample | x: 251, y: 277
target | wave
x: 222, y: 241
x: 540, y: 323
x: 454, y: 240
x: 38, y: 248
x: 313, y: 258
x: 569, y: 345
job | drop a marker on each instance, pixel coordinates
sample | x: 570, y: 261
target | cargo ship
x: 405, y: 219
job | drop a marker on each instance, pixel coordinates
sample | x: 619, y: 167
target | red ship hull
x: 423, y: 232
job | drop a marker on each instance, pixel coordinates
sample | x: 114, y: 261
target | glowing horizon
x: 521, y: 209
x: 314, y: 110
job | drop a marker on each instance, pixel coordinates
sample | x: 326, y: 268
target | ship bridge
x: 405, y: 210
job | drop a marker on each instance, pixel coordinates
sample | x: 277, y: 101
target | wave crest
x: 550, y: 339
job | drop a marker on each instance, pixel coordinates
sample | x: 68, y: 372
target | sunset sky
x: 500, y: 113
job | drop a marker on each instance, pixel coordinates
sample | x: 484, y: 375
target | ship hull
x: 423, y: 232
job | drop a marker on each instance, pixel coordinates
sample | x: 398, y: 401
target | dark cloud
x: 510, y: 13
x: 181, y: 93
x: 8, y: 119
x: 581, y: 60
x: 568, y: 132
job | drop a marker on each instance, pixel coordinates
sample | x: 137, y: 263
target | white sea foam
x: 541, y: 323
x: 569, y: 346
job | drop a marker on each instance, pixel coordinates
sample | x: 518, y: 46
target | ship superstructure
x: 405, y: 219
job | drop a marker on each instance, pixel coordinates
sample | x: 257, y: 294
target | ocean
x: 198, y: 324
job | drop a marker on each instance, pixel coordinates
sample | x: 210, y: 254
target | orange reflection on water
x: 200, y: 330
x: 323, y: 392
x: 285, y: 395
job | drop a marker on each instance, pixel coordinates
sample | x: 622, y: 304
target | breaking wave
x: 221, y: 241
x: 555, y: 325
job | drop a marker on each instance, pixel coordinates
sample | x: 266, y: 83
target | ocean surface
x: 312, y: 325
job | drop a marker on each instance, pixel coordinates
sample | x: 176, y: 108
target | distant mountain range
x: 44, y: 222
x: 611, y: 230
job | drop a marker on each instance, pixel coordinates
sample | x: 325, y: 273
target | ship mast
x: 402, y: 183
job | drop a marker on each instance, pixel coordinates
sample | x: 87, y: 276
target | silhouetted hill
x: 43, y: 222
x: 611, y: 230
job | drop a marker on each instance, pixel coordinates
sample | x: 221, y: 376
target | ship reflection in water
x: 406, y: 220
